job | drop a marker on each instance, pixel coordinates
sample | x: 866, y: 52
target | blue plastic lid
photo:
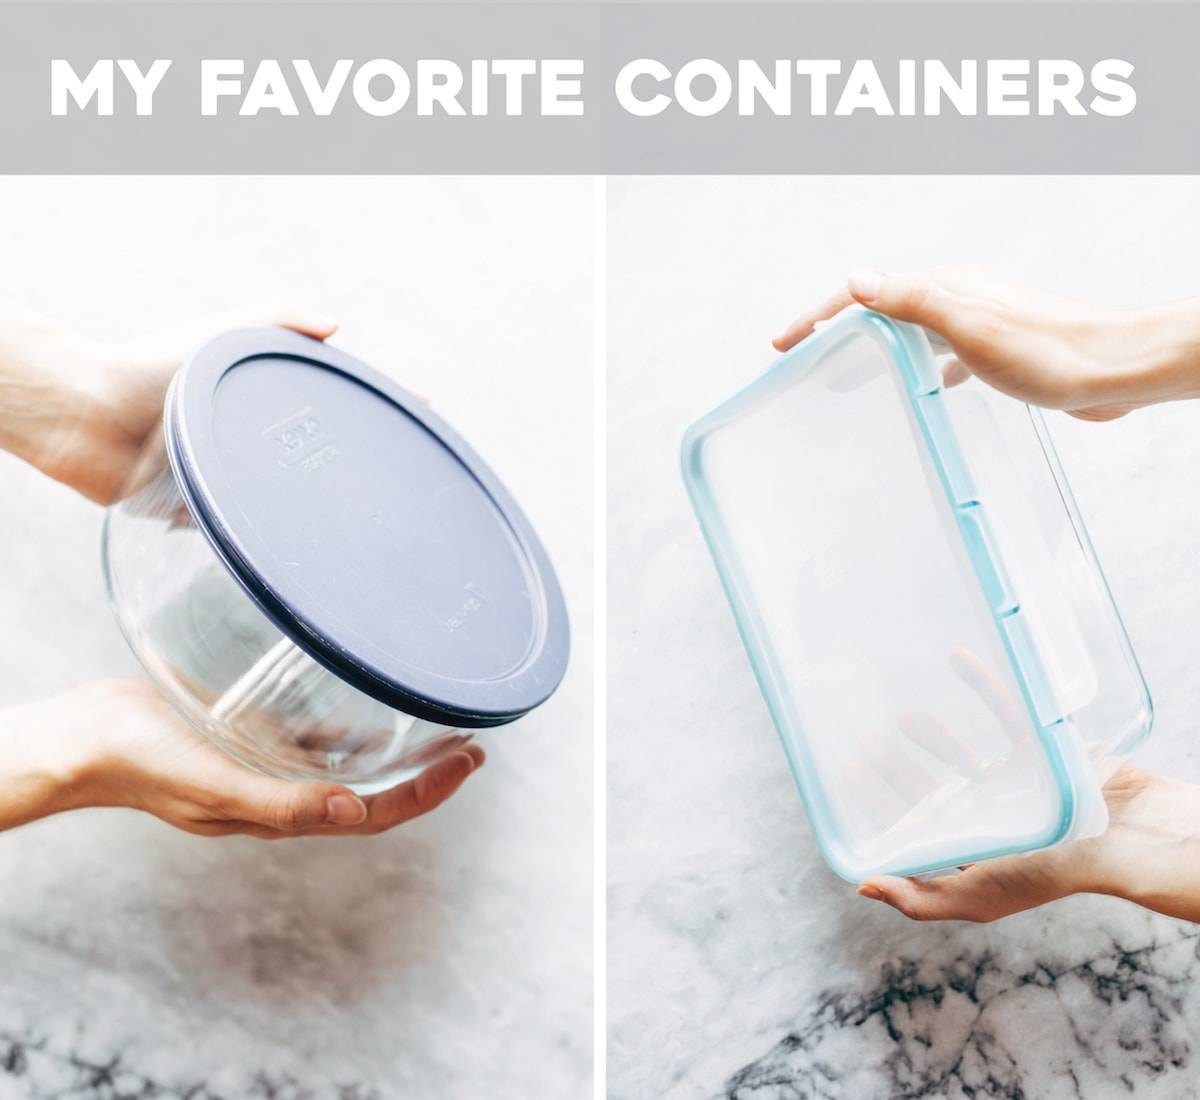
x: 366, y: 529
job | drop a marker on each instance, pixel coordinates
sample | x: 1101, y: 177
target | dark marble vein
x: 34, y: 1068
x: 938, y: 1030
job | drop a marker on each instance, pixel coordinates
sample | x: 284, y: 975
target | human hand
x: 118, y: 743
x: 80, y: 410
x: 1150, y: 854
x: 1096, y: 364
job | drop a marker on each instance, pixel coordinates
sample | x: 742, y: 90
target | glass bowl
x: 269, y: 587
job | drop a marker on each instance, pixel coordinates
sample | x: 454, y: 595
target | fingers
x: 918, y: 298
x: 274, y: 809
x: 385, y: 811
x: 427, y: 792
x: 900, y: 770
x: 290, y: 807
x: 996, y: 695
x: 943, y: 300
x: 927, y: 732
x: 1101, y: 413
x: 954, y: 373
x: 969, y: 896
x: 803, y: 325
x: 987, y: 891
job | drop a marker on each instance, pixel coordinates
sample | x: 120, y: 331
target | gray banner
x: 1157, y: 135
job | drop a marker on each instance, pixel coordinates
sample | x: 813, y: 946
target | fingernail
x: 345, y: 809
x: 866, y: 890
x: 866, y: 284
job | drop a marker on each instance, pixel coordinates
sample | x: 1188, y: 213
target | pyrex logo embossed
x: 301, y: 440
x: 474, y: 601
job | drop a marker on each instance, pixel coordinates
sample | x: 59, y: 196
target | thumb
x: 916, y: 298
x: 293, y: 806
x: 973, y: 895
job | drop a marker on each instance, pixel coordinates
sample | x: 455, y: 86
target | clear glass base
x: 232, y: 674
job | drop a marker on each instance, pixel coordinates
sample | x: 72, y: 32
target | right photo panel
x: 902, y: 592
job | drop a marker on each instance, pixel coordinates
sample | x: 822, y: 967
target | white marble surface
x: 739, y: 965
x: 450, y: 958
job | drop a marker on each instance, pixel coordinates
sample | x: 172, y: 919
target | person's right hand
x: 1150, y: 854
x: 118, y: 743
x: 1094, y: 363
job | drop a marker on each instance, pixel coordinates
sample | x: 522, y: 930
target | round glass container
x: 320, y: 575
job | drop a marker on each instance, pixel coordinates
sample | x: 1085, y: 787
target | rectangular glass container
x: 920, y: 601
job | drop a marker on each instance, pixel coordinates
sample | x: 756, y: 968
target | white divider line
x: 600, y: 639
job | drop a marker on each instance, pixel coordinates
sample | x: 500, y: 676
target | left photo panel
x: 299, y: 547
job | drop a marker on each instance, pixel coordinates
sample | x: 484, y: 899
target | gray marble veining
x: 951, y: 1027
x: 740, y: 966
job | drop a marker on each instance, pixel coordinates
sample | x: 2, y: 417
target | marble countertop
x: 450, y: 958
x: 740, y: 966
